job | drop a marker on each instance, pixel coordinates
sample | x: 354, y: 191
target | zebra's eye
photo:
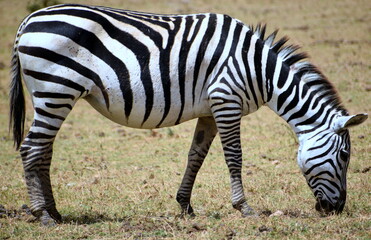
x: 344, y: 155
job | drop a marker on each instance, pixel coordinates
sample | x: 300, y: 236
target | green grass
x: 112, y: 182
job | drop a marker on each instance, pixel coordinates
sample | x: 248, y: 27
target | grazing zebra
x: 149, y: 71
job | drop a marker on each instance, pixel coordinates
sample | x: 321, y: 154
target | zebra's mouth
x: 329, y: 208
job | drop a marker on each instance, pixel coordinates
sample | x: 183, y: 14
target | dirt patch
x: 264, y: 228
x: 365, y: 170
x: 265, y: 213
x: 23, y: 213
x: 154, y: 227
x: 295, y: 214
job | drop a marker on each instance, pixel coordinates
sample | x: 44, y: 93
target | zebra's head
x: 323, y: 158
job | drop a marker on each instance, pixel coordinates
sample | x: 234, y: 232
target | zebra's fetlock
x: 244, y: 208
x: 185, y: 205
x: 53, y: 212
x: 238, y: 204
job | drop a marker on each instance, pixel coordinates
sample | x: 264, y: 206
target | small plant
x: 35, y: 5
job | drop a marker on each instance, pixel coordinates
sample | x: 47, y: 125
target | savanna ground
x: 112, y: 182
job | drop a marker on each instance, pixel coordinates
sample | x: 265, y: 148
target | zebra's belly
x: 144, y: 116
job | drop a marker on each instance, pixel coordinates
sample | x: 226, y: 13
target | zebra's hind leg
x: 202, y: 139
x: 36, y: 159
x: 36, y: 152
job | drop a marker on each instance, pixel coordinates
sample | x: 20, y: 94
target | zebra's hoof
x: 46, y: 220
x: 187, y: 211
x: 247, y: 211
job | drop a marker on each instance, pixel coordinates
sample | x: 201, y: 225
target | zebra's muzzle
x: 324, y: 206
x: 327, y: 207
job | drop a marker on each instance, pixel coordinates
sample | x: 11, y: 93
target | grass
x: 112, y: 182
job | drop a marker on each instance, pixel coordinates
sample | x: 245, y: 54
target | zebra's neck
x: 296, y: 90
x: 304, y: 98
x: 293, y: 88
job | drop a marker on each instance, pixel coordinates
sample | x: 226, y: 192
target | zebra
x: 147, y: 71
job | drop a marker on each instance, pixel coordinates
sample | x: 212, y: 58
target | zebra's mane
x: 306, y: 71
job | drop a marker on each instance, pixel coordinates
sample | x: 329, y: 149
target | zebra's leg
x: 227, y: 114
x: 36, y: 152
x: 202, y: 139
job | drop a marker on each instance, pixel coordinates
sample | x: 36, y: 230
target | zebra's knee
x: 197, y: 154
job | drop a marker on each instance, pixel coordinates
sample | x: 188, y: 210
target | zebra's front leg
x: 227, y: 114
x: 202, y: 139
x: 233, y: 156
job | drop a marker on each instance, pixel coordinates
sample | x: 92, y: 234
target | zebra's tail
x: 17, y: 102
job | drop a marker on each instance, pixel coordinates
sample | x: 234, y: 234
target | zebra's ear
x: 349, y: 121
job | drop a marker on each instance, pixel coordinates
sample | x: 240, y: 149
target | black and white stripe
x: 147, y: 71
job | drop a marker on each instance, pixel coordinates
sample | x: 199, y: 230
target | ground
x: 112, y: 182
